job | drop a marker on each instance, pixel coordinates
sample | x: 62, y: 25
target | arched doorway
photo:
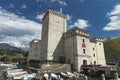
x: 84, y: 62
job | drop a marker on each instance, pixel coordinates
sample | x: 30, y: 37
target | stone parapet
x: 76, y: 31
x: 55, y: 13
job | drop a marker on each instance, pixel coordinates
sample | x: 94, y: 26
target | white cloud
x: 40, y: 6
x: 40, y: 16
x: 82, y: 1
x: 114, y: 17
x: 62, y: 3
x: 11, y: 5
x: 115, y: 11
x: 24, y: 6
x: 38, y: 0
x: 69, y: 17
x: 81, y: 23
x: 52, y: 1
x: 17, y: 31
x: 18, y: 12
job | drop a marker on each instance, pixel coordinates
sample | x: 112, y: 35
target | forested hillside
x: 10, y: 54
x: 5, y: 46
x: 112, y: 49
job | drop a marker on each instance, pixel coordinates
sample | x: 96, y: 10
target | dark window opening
x: 84, y: 62
x: 93, y: 55
x: 84, y: 51
x: 83, y: 40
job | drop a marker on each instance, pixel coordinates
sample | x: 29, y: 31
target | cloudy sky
x: 20, y: 20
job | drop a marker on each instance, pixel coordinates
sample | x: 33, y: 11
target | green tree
x: 112, y: 49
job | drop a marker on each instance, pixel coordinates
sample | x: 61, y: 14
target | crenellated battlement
x: 98, y: 39
x: 54, y: 13
x: 76, y: 31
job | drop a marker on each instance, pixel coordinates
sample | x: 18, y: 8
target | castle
x: 73, y: 47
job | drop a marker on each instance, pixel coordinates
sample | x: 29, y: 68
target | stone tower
x: 77, y: 47
x: 100, y: 51
x: 54, y: 25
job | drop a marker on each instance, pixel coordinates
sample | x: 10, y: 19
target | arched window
x: 84, y: 62
x: 84, y: 51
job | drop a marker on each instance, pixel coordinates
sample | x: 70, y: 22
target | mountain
x: 5, y: 46
x: 112, y: 49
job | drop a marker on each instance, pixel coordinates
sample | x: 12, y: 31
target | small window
x: 93, y: 55
x: 83, y: 40
x: 93, y: 48
x: 84, y: 51
x: 99, y: 43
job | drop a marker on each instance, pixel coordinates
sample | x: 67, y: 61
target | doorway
x: 84, y: 62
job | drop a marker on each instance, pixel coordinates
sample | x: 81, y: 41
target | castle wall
x: 34, y: 51
x: 56, y: 26
x: 44, y: 38
x: 93, y: 51
x: 73, y: 47
x: 70, y: 49
x: 83, y: 52
x: 100, y: 52
x: 75, y: 41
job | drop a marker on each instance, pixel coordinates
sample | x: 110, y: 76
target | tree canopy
x: 112, y: 49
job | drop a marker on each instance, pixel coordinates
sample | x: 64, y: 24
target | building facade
x: 34, y: 50
x: 54, y: 25
x: 74, y: 46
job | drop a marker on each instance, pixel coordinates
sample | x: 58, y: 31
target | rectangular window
x: 93, y: 55
x: 84, y: 51
x: 83, y: 40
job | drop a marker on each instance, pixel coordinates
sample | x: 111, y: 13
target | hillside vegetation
x: 5, y: 46
x: 112, y: 49
x: 10, y: 54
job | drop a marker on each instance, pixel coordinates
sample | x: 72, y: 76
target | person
x: 45, y: 76
x: 39, y: 76
x: 102, y: 77
x: 85, y: 77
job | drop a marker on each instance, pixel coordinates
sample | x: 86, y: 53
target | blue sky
x: 20, y: 20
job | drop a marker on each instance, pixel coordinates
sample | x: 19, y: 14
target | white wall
x: 34, y: 51
x: 56, y: 28
x: 83, y: 56
x: 93, y: 51
x: 100, y: 53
